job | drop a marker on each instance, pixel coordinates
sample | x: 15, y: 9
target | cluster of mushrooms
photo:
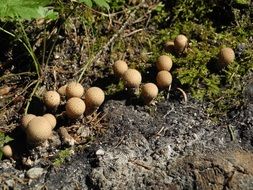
x: 132, y: 78
x: 39, y: 128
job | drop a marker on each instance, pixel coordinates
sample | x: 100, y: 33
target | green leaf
x: 26, y: 9
x: 243, y: 2
x: 87, y: 2
x: 7, y: 139
x: 102, y: 3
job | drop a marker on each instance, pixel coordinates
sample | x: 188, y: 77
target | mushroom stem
x: 66, y: 138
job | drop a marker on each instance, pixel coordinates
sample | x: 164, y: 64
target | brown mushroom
x: 62, y: 90
x: 74, y: 89
x: 38, y: 130
x: 226, y: 56
x: 132, y: 78
x: 149, y: 92
x: 169, y: 46
x: 180, y: 43
x: 51, y: 119
x: 7, y: 151
x: 163, y: 79
x: 164, y: 62
x: 52, y: 99
x: 26, y: 119
x: 119, y: 68
x: 94, y: 97
x: 75, y: 107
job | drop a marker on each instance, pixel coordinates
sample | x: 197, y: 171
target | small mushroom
x: 163, y: 79
x: 52, y: 99
x: 26, y: 119
x: 119, y: 68
x: 149, y: 92
x: 180, y: 43
x: 132, y: 79
x: 75, y: 107
x: 169, y: 46
x: 226, y: 56
x: 164, y: 62
x: 94, y: 97
x: 62, y: 90
x: 7, y: 151
x: 51, y: 119
x: 74, y: 89
x: 38, y: 130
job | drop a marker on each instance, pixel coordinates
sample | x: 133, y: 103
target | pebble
x: 34, y: 173
x: 10, y: 183
x: 100, y: 152
x: 84, y: 132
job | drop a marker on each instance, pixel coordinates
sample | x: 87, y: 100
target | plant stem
x: 30, y: 49
x: 31, y: 95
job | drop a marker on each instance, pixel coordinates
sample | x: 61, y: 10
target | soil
x: 171, y: 144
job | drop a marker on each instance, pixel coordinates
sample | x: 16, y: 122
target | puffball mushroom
x: 26, y: 119
x: 164, y: 62
x: 38, y: 130
x: 62, y: 90
x: 163, y: 79
x: 226, y: 56
x: 132, y: 78
x: 74, y: 89
x: 169, y: 46
x: 7, y: 151
x: 51, y: 119
x: 94, y: 97
x: 52, y: 99
x: 149, y: 91
x: 119, y: 68
x: 180, y: 43
x: 75, y: 107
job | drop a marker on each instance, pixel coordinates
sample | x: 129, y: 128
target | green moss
x: 201, y: 21
x: 62, y: 156
x: 196, y: 70
x: 114, y: 88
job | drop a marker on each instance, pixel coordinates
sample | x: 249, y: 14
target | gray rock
x: 34, y: 173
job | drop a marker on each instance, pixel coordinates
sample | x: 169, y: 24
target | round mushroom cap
x: 51, y: 119
x: 75, y: 107
x: 132, y: 78
x: 164, y: 62
x: 74, y: 89
x: 180, y: 43
x: 169, y: 45
x: 149, y: 91
x: 52, y: 99
x: 226, y: 56
x: 62, y: 90
x: 94, y: 97
x: 163, y: 79
x: 26, y: 119
x: 38, y: 129
x: 119, y: 68
x: 7, y: 151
